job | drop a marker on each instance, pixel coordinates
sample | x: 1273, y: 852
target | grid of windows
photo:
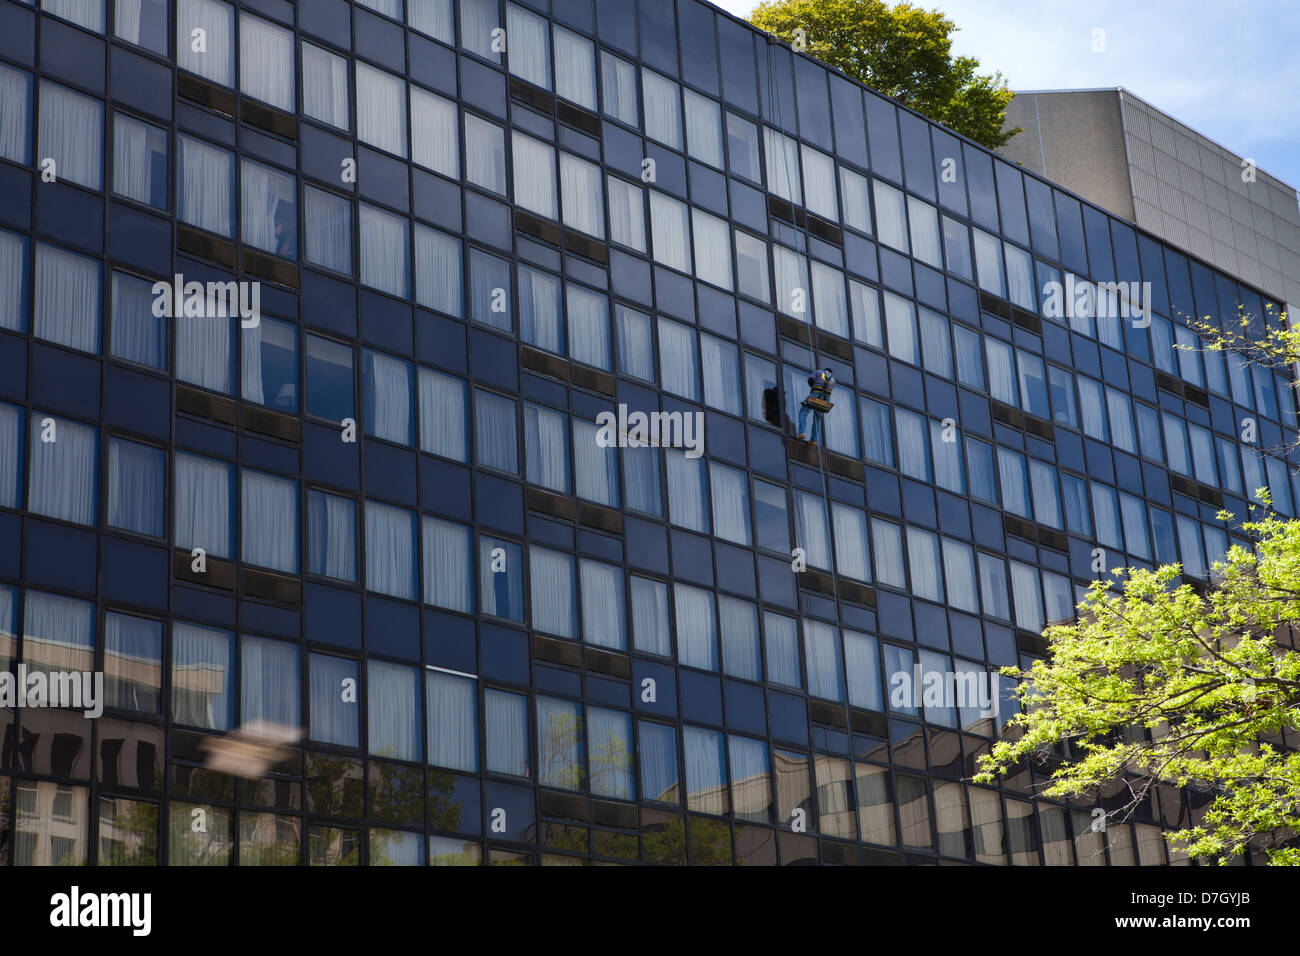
x: 458, y: 285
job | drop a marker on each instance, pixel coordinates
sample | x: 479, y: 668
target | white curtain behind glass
x: 485, y: 154
x: 782, y: 165
x: 61, y: 477
x: 618, y: 82
x: 13, y: 282
x: 887, y: 540
x: 202, y: 505
x: 136, y: 476
x: 271, y: 683
x: 393, y: 707
x: 534, y: 175
x: 851, y: 558
x: 687, y: 499
x: 433, y: 17
x: 15, y: 115
x: 712, y: 248
x: 626, y: 213
x: 381, y: 109
x: 595, y: 469
x: 781, y: 640
x: 332, y: 720
x: 86, y: 13
x: 822, y: 651
x: 811, y: 530
x: 328, y: 221
x: 703, y: 129
x: 739, y: 631
x: 435, y: 138
x: 923, y: 558
x: 203, y: 351
x: 495, y: 440
x: 385, y: 256
x: 862, y: 670
x: 663, y: 111
x: 443, y: 428
x: 575, y: 68
x: 581, y: 186
x: 202, y: 685
x: 505, y: 724
x: 265, y: 195
x: 650, y: 623
x: 448, y: 568
x: 207, y: 176
x: 325, y: 86
x: 697, y: 627
x: 539, y: 310
x: 217, y: 21
x: 641, y: 484
x: 546, y: 447
x: 603, y: 621
x: 891, y: 216
x: 386, y: 397
x: 390, y: 551
x: 71, y: 132
x: 331, y: 536
x: 924, y: 221
x: 58, y: 633
x: 529, y: 50
x: 135, y: 147
x: 450, y: 703
x: 11, y: 433
x: 670, y: 228
x: 855, y: 193
x: 552, y: 579
x: 269, y: 521
x: 636, y: 355
x: 588, y: 314
x: 478, y: 20
x: 819, y: 183
x: 438, y: 283
x: 678, y: 360
x: 266, y: 62
x: 830, y: 308
x: 67, y: 299
x: 609, y: 742
x: 729, y: 488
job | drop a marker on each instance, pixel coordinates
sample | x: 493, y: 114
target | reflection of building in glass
x: 382, y: 514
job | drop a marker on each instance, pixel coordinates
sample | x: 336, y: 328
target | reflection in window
x: 751, y: 791
x: 132, y: 663
x: 609, y: 751
x: 203, y: 685
x: 393, y: 710
x: 560, y: 743
x: 705, y: 771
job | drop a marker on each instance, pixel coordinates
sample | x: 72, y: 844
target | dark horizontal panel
x: 271, y: 586
x: 857, y: 593
x: 834, y: 345
x: 817, y: 581
x: 824, y: 712
x: 1212, y: 496
x: 544, y: 362
x: 780, y: 209
x: 207, y: 246
x: 802, y: 451
x: 578, y: 118
x: 271, y: 267
x: 1198, y: 395
x: 865, y: 722
x: 1019, y: 527
x: 1008, y: 415
x: 205, y: 94
x: 588, y: 248
x: 1039, y: 427
x: 192, y: 401
x: 1026, y: 319
x: 591, y: 378
x: 567, y: 806
x: 266, y: 422
x: 544, y: 501
x: 217, y: 574
x: 269, y: 119
x: 846, y: 467
x: 1050, y: 538
x: 608, y: 662
x: 999, y: 307
x: 1031, y: 643
x: 1184, y: 486
x: 825, y: 230
x: 1169, y: 383
x: 538, y: 228
x: 841, y: 854
x: 610, y: 814
x: 594, y: 516
x: 529, y: 95
x: 557, y: 651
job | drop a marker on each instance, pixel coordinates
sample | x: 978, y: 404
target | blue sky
x: 1227, y: 70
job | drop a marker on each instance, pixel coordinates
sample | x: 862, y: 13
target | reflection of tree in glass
x: 611, y: 767
x: 444, y: 812
x: 134, y: 840
x: 560, y: 750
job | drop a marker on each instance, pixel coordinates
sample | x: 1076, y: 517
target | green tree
x: 902, y: 51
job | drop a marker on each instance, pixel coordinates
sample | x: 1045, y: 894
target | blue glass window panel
x: 706, y: 770
x: 1011, y: 202
x: 877, y: 433
x: 451, y: 703
x: 1042, y: 218
x: 270, y: 364
x: 993, y: 587
x: 1047, y: 501
x: 202, y: 677
x: 205, y: 186
x: 956, y: 248
x: 327, y: 227
x: 1133, y: 514
x: 771, y: 517
x: 554, y: 592
x: 1229, y: 465
x: 1175, y: 431
x: 70, y: 131
x: 438, y: 281
x: 334, y: 720
x: 1033, y: 384
x: 137, y: 476
x: 448, y: 565
x: 330, y: 388
x: 822, y: 652
x: 1190, y: 547
x: 489, y: 284
x: 1106, y: 512
x: 635, y: 343
x: 505, y: 727
x: 546, y: 447
x: 1069, y: 224
x: 741, y: 656
x: 651, y: 623
x: 949, y: 471
x: 11, y: 455
x: 641, y: 482
x: 970, y: 356
x: 394, y: 712
x: 1120, y: 411
x: 657, y: 753
x: 679, y: 360
x: 1075, y: 495
x: 15, y: 115
x: 67, y: 299
x: 980, y: 467
x: 139, y: 159
x: 1002, y: 372
x: 444, y: 417
x: 1148, y: 430
x: 899, y: 673
x: 270, y: 689
x: 501, y: 578
x: 688, y: 494
x: 385, y: 251
x: 133, y: 662
x: 1061, y: 387
x: 1092, y: 406
x: 604, y: 618
x: 697, y: 627
x: 1014, y: 481
x: 913, y: 444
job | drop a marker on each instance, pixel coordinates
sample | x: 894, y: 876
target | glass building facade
x: 380, y: 521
